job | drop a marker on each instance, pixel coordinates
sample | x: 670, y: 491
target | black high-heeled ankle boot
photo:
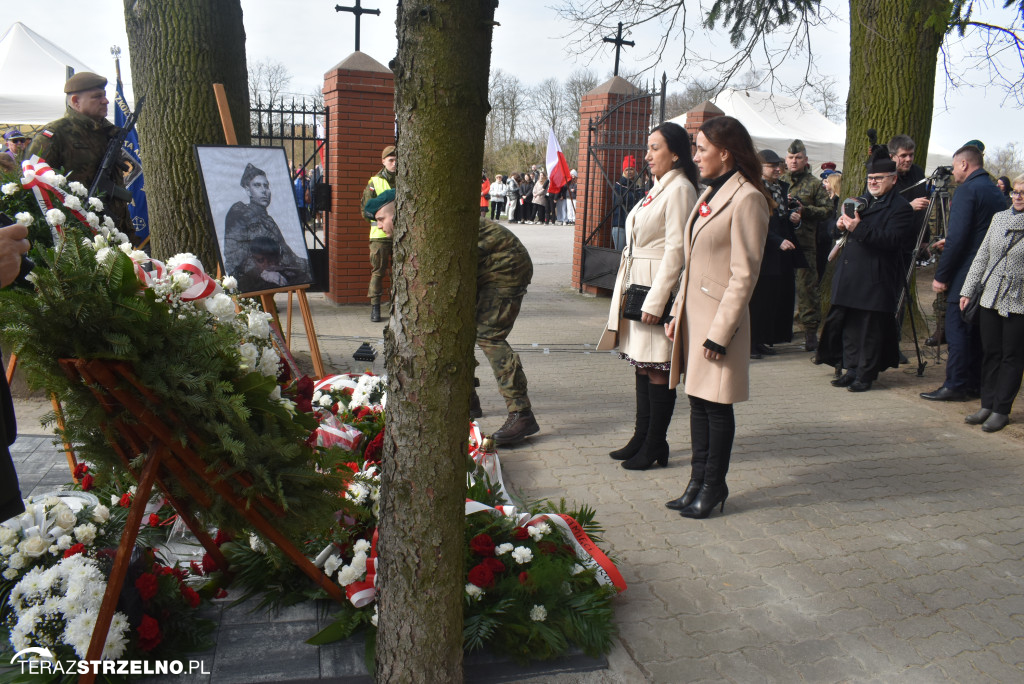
x: 689, y: 494
x: 643, y: 421
x: 710, y: 495
x: 655, y: 447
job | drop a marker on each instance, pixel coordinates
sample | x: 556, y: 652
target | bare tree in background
x: 578, y: 84
x: 696, y: 91
x: 548, y: 107
x: 267, y: 81
x: 1006, y: 161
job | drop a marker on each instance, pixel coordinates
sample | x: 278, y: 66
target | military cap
x: 388, y: 151
x: 881, y: 161
x: 828, y: 166
x: 797, y: 147
x: 250, y: 173
x: 769, y: 157
x: 975, y: 143
x: 15, y: 134
x: 84, y: 80
x: 374, y: 205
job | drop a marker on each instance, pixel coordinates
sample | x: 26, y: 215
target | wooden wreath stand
x: 117, y: 389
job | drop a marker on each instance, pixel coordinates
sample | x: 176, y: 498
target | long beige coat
x: 723, y: 252
x: 654, y: 228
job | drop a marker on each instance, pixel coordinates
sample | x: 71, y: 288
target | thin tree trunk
x: 441, y: 102
x: 179, y: 50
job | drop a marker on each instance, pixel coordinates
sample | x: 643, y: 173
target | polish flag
x: 558, y: 168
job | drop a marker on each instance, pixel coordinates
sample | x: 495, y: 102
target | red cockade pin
x: 647, y: 200
x: 705, y: 210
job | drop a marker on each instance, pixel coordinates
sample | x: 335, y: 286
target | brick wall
x: 360, y: 94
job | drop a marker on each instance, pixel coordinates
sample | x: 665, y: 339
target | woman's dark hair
x: 1006, y: 185
x: 679, y: 144
x: 728, y: 133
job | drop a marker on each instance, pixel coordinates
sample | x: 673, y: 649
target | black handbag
x: 969, y: 314
x: 633, y: 296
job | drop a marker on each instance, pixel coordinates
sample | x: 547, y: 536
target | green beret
x: 250, y: 173
x: 84, y: 80
x: 374, y: 205
x: 797, y: 147
x: 975, y: 143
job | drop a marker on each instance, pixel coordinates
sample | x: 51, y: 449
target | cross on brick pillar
x: 359, y: 10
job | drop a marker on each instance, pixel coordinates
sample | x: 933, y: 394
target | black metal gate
x: 301, y: 129
x: 618, y: 134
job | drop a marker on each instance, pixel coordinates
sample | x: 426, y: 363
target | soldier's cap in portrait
x: 84, y: 80
x: 250, y: 173
x: 797, y: 147
x: 389, y: 151
x: 374, y: 205
x: 769, y: 157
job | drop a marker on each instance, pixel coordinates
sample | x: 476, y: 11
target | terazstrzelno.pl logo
x: 40, y: 661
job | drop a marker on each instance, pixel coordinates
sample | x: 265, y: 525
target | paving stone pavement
x: 867, y: 537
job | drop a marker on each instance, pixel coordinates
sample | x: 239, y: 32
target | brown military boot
x: 518, y: 426
x: 475, y: 410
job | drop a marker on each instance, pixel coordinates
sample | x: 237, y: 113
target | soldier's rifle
x: 104, y: 182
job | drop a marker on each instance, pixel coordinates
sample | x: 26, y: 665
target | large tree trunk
x: 441, y: 101
x: 179, y: 50
x: 893, y: 56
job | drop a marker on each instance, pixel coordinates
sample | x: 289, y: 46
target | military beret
x: 769, y: 157
x: 250, y: 173
x: 84, y: 80
x: 797, y: 147
x: 388, y: 151
x: 374, y: 205
x: 975, y: 143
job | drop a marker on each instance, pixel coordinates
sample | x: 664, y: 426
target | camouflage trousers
x: 380, y: 262
x: 496, y: 312
x: 808, y: 296
x: 939, y: 309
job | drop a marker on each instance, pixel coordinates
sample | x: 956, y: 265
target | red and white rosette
x: 33, y: 177
x: 202, y: 285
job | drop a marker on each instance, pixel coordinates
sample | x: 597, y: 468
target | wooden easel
x: 267, y: 296
x: 69, y: 451
x: 119, y: 391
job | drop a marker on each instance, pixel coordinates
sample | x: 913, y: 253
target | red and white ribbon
x: 363, y: 593
x: 33, y: 171
x: 148, y: 277
x: 202, y: 285
x: 587, y: 552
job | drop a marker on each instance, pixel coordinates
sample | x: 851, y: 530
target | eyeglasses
x: 1017, y: 193
x: 879, y: 179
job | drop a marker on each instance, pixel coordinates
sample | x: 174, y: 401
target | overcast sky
x: 309, y: 37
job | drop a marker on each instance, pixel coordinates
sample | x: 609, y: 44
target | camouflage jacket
x: 808, y: 188
x: 76, y: 143
x: 503, y: 260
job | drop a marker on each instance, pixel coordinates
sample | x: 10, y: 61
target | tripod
x: 938, y: 207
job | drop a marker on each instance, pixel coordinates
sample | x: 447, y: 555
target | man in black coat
x: 860, y: 331
x: 12, y: 246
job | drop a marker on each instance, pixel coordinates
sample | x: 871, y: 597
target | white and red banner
x: 558, y: 168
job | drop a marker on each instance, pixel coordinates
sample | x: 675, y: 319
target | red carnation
x: 524, y: 577
x: 481, y: 576
x: 147, y: 584
x: 520, y: 533
x: 154, y: 520
x: 126, y: 500
x: 80, y: 470
x: 87, y: 482
x: 149, y: 633
x: 209, y: 564
x: 196, y: 569
x: 190, y: 596
x: 482, y: 545
x: 372, y: 453
x: 74, y: 550
x: 221, y: 537
x: 495, y: 565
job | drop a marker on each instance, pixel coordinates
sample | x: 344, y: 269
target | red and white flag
x: 558, y: 168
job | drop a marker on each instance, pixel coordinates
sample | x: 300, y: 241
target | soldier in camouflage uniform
x: 504, y: 271
x: 380, y: 244
x: 77, y: 142
x: 815, y: 206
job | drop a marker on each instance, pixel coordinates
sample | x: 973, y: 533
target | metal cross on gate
x: 359, y: 10
x: 618, y: 46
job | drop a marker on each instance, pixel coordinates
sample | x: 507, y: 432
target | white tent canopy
x: 32, y: 75
x: 774, y: 121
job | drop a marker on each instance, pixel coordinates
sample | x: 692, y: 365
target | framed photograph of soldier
x: 259, y: 237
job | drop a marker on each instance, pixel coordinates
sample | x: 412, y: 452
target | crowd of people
x: 528, y: 198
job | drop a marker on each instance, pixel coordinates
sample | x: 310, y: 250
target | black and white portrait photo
x: 259, y: 238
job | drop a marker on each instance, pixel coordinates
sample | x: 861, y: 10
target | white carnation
x: 348, y: 575
x: 78, y: 189
x: 502, y: 549
x: 331, y: 565
x: 7, y: 535
x: 107, y: 222
x: 24, y: 218
x: 269, y: 362
x: 522, y: 555
x: 55, y: 217
x: 95, y: 204
x: 361, y: 546
x: 10, y: 188
x: 220, y: 306
x: 229, y: 283
x: 10, y: 574
x: 102, y: 253
x: 73, y: 203
x: 538, y: 613
x: 86, y: 533
x: 249, y: 354
x: 16, y: 561
x: 474, y: 591
x: 258, y: 325
x: 64, y: 542
x: 6, y: 550
x: 182, y: 280
x: 256, y: 544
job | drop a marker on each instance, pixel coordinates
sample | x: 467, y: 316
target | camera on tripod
x: 940, y: 176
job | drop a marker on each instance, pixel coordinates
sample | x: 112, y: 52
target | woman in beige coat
x: 723, y: 244
x: 653, y: 257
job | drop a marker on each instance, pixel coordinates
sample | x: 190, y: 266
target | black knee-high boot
x: 655, y: 448
x: 643, y: 421
x: 721, y: 430
x: 699, y: 437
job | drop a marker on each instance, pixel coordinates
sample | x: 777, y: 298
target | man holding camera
x: 974, y: 203
x: 860, y: 332
x: 811, y: 205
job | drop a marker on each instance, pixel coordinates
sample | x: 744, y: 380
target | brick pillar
x: 696, y: 117
x: 360, y: 95
x: 623, y: 133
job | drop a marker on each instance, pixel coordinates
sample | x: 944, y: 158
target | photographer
x: 13, y: 246
x: 860, y: 331
x: 809, y: 206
